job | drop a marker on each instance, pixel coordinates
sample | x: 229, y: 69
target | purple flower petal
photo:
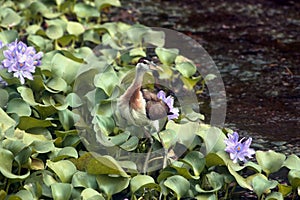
x: 169, y: 101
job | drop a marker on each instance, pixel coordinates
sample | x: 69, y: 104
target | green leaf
x: 112, y: 184
x: 8, y: 36
x: 57, y: 85
x: 292, y: 162
x: 61, y: 191
x: 4, y: 97
x: 213, y: 138
x: 85, y: 180
x: 27, y: 95
x: 67, y: 118
x: 66, y: 152
x: 215, y: 181
x: 206, y: 197
x: 9, y: 18
x: 91, y: 194
x: 239, y: 179
x: 285, y: 190
x: 84, y: 11
x: 166, y: 56
x: 156, y: 38
x: 168, y: 137
x: 101, y: 4
x: 140, y: 181
x: 5, y: 121
x: 189, y: 129
x: 178, y: 184
x: 73, y: 100
x: 215, y: 159
x: 262, y: 185
x: 64, y: 67
x: 29, y: 122
x: 107, y: 81
x: 294, y: 178
x: 196, y: 160
x: 6, y: 161
x: 130, y: 144
x: 104, y: 165
x: 54, y: 32
x: 75, y: 28
x: 274, y: 196
x: 64, y: 169
x: 24, y: 194
x: 18, y: 106
x: 270, y: 161
x: 187, y: 69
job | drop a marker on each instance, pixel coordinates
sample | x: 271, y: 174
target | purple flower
x: 21, y: 60
x: 1, y: 44
x: 238, y: 150
x: 169, y: 101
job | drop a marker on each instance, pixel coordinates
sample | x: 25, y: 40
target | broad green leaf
x: 91, y: 194
x: 166, y: 56
x: 215, y: 181
x: 73, y: 100
x: 18, y: 106
x: 75, y: 28
x: 92, y: 36
x: 29, y: 122
x: 40, y: 43
x: 5, y: 121
x: 130, y: 144
x: 6, y: 164
x: 61, y: 191
x: 107, y: 81
x: 156, y: 38
x: 274, y: 196
x: 196, y: 160
x: 292, y: 162
x: 112, y: 184
x: 239, y: 179
x: 140, y: 181
x: 84, y: 10
x: 178, y: 184
x: 213, y: 138
x: 83, y: 179
x: 8, y: 36
x: 183, y: 170
x: 101, y: 4
x: 187, y: 69
x: 57, y: 85
x: 64, y: 67
x: 190, y: 83
x: 27, y: 95
x: 185, y: 132
x: 66, y: 152
x: 285, y: 190
x: 168, y: 137
x: 64, y: 169
x: 262, y: 185
x: 104, y: 165
x: 24, y: 194
x: 54, y: 32
x: 67, y: 118
x: 270, y: 161
x: 216, y: 159
x: 4, y: 97
x: 294, y: 178
x: 137, y: 52
x: 206, y: 197
x: 9, y: 18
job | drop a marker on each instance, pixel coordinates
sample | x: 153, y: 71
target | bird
x: 141, y: 108
x: 138, y: 106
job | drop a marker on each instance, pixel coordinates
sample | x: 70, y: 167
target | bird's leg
x: 165, y: 152
x: 145, y: 168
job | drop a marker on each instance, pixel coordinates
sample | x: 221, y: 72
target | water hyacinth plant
x: 170, y: 102
x: 43, y: 148
x: 21, y: 60
x: 238, y: 149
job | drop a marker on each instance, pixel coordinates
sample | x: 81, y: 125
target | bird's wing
x: 155, y: 107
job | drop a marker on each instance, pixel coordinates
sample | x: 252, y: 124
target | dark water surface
x: 256, y: 47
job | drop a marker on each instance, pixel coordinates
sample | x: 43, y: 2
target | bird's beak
x: 154, y: 66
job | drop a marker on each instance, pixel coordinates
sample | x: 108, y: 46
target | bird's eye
x: 145, y: 62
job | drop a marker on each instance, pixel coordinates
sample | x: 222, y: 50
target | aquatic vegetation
x: 60, y: 137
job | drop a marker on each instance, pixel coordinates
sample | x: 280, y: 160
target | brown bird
x: 142, y: 109
x: 138, y: 106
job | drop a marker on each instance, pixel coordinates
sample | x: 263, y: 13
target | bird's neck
x: 136, y: 84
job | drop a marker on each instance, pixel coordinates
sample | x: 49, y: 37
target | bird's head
x: 146, y: 65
